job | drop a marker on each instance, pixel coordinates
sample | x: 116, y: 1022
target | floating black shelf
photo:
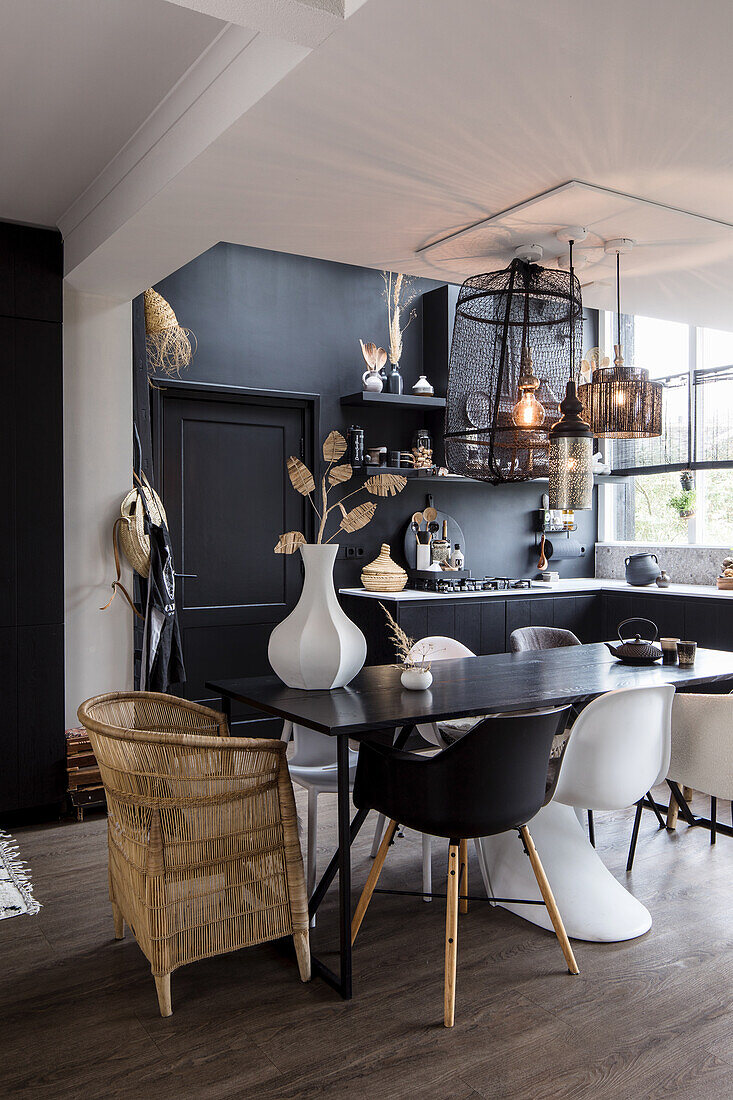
x: 409, y: 472
x: 400, y: 400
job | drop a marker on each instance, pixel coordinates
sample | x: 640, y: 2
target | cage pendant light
x: 508, y: 369
x: 621, y: 402
x: 571, y: 444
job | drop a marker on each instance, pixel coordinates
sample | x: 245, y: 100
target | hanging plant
x: 684, y: 503
x: 336, y: 473
x: 687, y: 479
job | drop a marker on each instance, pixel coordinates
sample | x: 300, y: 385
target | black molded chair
x: 490, y: 781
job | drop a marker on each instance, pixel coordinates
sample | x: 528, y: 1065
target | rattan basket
x: 134, y: 542
x: 383, y: 574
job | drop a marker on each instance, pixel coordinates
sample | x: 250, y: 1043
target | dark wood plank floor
x: 646, y: 1019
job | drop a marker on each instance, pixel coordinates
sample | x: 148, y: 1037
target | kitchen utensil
x: 433, y: 528
x: 637, y: 651
x: 542, y: 563
x: 415, y: 527
x: 641, y: 569
x: 417, y: 517
x: 669, y: 650
x: 686, y: 654
x: 455, y: 534
x: 430, y: 515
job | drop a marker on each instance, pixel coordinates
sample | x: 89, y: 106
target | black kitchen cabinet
x: 31, y: 527
x: 493, y: 626
x: 581, y: 614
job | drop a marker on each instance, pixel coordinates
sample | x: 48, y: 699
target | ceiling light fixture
x: 621, y: 402
x: 571, y: 440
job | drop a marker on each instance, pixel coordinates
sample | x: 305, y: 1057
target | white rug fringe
x: 18, y: 874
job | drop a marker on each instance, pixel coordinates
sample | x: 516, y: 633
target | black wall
x: 274, y: 321
x: 31, y: 520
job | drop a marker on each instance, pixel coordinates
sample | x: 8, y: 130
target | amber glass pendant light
x: 571, y: 440
x: 621, y: 402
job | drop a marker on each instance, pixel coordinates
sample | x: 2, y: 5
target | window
x: 652, y: 503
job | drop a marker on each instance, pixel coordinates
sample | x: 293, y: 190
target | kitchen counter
x: 544, y: 588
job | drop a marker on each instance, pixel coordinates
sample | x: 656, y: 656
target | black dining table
x: 375, y: 706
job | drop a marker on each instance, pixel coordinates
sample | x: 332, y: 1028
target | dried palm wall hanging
x: 170, y: 347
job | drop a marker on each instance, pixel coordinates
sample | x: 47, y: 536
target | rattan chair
x: 204, y: 856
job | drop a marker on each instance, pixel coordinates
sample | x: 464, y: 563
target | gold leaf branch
x: 302, y: 480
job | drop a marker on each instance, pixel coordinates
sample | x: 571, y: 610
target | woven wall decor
x: 510, y: 340
x: 170, y: 348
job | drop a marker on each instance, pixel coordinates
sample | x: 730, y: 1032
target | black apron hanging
x: 162, y: 652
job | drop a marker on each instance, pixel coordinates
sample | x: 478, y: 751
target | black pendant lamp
x: 571, y: 442
x: 621, y: 402
x: 508, y: 369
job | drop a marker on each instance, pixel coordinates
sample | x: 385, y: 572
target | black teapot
x: 636, y: 651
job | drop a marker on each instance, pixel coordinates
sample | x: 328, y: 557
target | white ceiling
x: 418, y: 118
x: 77, y: 78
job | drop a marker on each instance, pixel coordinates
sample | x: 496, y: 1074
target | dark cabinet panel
x: 588, y: 618
x: 39, y: 473
x: 468, y: 624
x: 413, y: 618
x: 441, y: 619
x: 709, y: 623
x: 41, y: 745
x: 518, y: 614
x: 666, y: 612
x: 8, y: 552
x: 493, y: 626
x: 9, y: 727
x: 542, y: 612
x: 8, y: 235
x: 38, y: 274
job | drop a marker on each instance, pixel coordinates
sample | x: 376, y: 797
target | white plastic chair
x: 618, y: 749
x: 440, y: 649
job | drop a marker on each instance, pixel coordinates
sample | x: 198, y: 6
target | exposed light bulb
x: 528, y: 412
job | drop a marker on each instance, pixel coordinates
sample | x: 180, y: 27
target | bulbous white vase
x: 317, y: 646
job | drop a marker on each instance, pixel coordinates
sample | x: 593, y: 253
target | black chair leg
x: 652, y: 803
x: 635, y: 834
x: 591, y: 829
x: 713, y: 818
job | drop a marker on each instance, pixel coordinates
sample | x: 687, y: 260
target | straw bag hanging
x: 129, y: 535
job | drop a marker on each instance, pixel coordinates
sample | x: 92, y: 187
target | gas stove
x: 448, y: 585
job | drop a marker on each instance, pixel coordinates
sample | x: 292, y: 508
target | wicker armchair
x: 204, y: 855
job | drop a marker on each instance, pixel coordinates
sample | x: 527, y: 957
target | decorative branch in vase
x: 398, y: 293
x: 413, y: 659
x: 317, y: 646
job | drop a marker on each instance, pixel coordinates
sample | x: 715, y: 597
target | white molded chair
x: 618, y: 749
x: 702, y: 753
x: 441, y: 649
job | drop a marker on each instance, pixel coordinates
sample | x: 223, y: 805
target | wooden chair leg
x: 118, y: 922
x: 672, y: 812
x: 451, y: 937
x: 163, y: 989
x: 463, y: 875
x: 550, y: 904
x: 371, y: 882
x: 301, y: 941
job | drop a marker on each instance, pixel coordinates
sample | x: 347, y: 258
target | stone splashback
x: 685, y: 564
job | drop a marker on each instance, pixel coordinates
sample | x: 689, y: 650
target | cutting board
x: 455, y: 535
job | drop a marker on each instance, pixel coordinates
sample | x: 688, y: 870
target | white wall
x: 97, y: 474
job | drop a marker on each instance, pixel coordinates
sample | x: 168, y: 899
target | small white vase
x: 422, y: 387
x: 416, y: 679
x: 372, y: 381
x: 317, y: 646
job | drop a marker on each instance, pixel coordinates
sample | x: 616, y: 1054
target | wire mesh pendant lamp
x: 621, y: 402
x: 571, y: 443
x: 508, y: 369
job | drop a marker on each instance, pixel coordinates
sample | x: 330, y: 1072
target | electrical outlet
x: 354, y: 551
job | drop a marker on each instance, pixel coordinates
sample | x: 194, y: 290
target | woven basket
x: 383, y: 574
x: 158, y: 314
x: 134, y: 542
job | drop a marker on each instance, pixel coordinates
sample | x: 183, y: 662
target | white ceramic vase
x: 416, y: 679
x: 317, y: 646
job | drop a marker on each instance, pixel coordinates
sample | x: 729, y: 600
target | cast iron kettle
x: 638, y: 651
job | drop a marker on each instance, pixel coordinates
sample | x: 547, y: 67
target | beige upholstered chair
x: 204, y: 855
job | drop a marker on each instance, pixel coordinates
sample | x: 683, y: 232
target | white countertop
x: 558, y: 588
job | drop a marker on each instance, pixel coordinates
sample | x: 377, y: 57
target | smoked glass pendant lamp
x: 621, y: 402
x: 571, y: 442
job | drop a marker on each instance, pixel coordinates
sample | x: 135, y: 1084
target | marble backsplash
x: 685, y: 564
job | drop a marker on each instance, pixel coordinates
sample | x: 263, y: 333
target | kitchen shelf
x: 414, y: 475
x: 395, y: 400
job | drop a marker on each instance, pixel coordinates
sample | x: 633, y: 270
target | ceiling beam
x: 305, y: 22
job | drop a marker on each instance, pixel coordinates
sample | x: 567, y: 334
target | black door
x: 228, y: 498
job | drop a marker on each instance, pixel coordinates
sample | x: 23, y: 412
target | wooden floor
x: 649, y: 1018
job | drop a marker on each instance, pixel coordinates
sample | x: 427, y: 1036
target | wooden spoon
x: 430, y: 515
x: 542, y: 563
x: 417, y: 517
x: 381, y: 358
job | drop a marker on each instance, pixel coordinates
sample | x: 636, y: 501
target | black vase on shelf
x: 394, y: 380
